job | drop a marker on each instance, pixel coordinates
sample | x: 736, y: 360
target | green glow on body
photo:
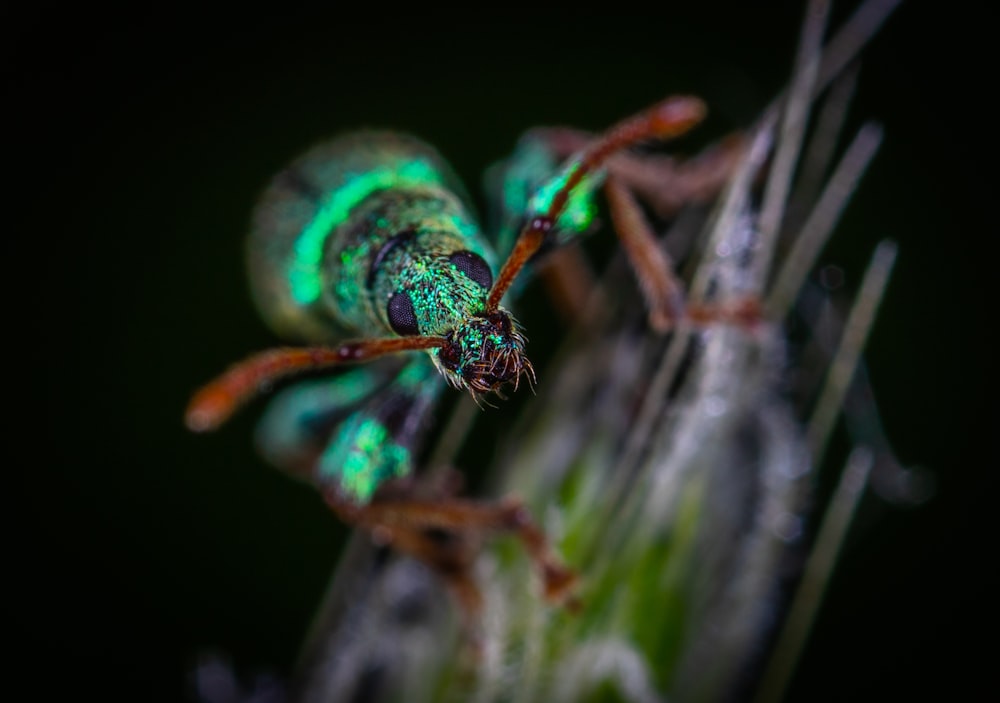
x: 287, y: 426
x: 580, y: 209
x: 304, y: 267
x: 342, y: 390
x: 362, y: 457
x: 414, y: 376
x: 531, y: 178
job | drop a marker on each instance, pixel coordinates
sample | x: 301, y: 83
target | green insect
x: 371, y: 237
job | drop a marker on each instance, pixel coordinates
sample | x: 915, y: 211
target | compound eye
x: 402, y: 318
x: 473, y: 266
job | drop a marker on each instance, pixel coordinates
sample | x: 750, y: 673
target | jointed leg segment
x: 654, y: 270
x: 445, y: 533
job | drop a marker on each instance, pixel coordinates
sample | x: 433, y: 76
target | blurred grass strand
x: 816, y: 576
x: 845, y: 362
x: 852, y: 38
x: 820, y: 223
x: 821, y: 149
x: 853, y: 479
x: 793, y: 129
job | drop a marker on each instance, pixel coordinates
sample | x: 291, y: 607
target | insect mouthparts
x: 485, y: 353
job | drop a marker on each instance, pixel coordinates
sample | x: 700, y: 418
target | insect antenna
x: 215, y: 402
x: 665, y: 120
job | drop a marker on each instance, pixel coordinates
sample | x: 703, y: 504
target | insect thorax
x: 300, y: 220
x: 412, y: 243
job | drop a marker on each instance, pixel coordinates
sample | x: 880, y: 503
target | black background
x: 139, y: 145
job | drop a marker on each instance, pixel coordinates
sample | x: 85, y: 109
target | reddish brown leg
x: 450, y: 555
x: 409, y: 524
x: 654, y: 270
x: 215, y: 402
x: 664, y: 183
x: 665, y: 120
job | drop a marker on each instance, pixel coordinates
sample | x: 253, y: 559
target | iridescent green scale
x: 403, y: 239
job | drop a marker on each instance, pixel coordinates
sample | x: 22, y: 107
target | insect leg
x: 650, y: 262
x: 570, y: 283
x: 449, y: 554
x: 215, y: 402
x: 654, y: 270
x: 667, y: 119
x: 663, y: 183
x: 397, y: 519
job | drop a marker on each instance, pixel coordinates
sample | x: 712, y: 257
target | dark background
x: 139, y: 145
